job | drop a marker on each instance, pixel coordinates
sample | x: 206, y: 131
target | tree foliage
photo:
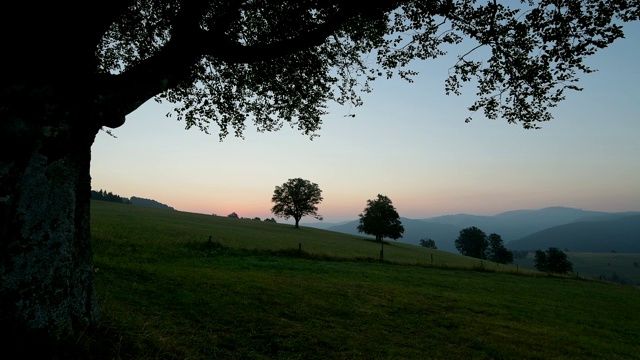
x: 282, y: 62
x: 553, y: 260
x: 472, y: 242
x: 428, y: 243
x: 297, y: 198
x: 225, y: 63
x: 381, y: 219
x: 103, y: 195
x: 496, y: 251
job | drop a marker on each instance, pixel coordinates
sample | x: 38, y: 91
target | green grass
x: 617, y: 267
x: 166, y: 293
x: 620, y: 267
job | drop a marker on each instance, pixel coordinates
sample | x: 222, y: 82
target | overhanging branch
x: 174, y: 64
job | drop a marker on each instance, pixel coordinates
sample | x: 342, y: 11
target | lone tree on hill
x: 72, y: 71
x: 381, y: 219
x: 472, y: 242
x: 428, y: 243
x: 553, y: 260
x: 496, y: 251
x: 297, y: 198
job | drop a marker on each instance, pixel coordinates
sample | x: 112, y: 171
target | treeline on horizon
x: 103, y: 195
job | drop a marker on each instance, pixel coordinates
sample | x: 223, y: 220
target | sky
x: 408, y: 142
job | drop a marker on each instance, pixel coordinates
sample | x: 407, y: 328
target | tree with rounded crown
x: 428, y: 243
x: 297, y: 198
x: 70, y: 71
x: 472, y: 242
x: 380, y: 219
x: 553, y: 260
x: 496, y: 251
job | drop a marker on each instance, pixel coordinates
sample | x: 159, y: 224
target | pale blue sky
x: 409, y: 142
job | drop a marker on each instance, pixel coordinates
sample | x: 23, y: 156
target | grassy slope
x: 618, y: 267
x: 165, y: 294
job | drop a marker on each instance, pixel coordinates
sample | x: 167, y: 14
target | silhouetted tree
x: 380, y: 219
x: 103, y: 195
x: 553, y: 260
x: 472, y: 242
x: 296, y: 198
x: 496, y: 251
x: 270, y: 220
x: 233, y: 215
x: 428, y: 243
x: 74, y: 71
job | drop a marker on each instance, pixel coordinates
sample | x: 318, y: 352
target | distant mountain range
x: 570, y: 228
x: 602, y: 235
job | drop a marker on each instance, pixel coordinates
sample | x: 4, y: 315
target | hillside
x: 167, y: 292
x: 138, y: 201
x: 513, y: 225
x: 617, y: 234
x: 623, y: 268
x: 414, y: 230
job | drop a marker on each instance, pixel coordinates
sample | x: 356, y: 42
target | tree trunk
x: 46, y: 263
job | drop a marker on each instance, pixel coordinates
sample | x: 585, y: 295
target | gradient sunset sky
x: 408, y: 142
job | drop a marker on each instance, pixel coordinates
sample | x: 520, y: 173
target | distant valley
x: 566, y: 228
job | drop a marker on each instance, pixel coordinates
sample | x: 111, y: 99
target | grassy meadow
x: 622, y: 268
x: 167, y: 292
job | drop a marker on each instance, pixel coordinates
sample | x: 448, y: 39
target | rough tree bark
x: 53, y: 102
x: 46, y: 265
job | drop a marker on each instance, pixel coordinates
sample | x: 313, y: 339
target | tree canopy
x: 553, y: 260
x: 381, y: 219
x: 472, y: 242
x: 225, y: 62
x: 496, y: 251
x: 296, y: 198
x: 428, y: 243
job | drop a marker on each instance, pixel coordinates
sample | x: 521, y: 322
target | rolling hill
x: 414, y: 230
x: 175, y: 285
x: 620, y: 234
x: 514, y: 226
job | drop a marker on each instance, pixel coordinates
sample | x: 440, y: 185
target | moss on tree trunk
x: 46, y: 263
